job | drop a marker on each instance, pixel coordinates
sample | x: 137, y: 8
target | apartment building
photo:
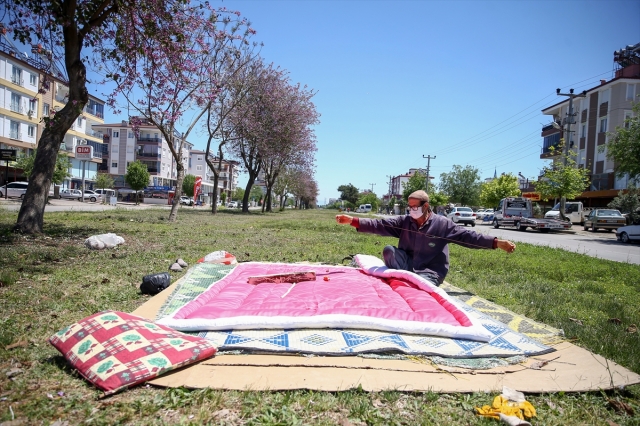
x: 229, y: 171
x: 126, y: 144
x: 22, y: 109
x: 595, y: 118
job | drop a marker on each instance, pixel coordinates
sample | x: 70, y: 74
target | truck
x: 517, y: 212
x: 573, y: 210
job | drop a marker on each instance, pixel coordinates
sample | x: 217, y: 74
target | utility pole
x: 372, y: 187
x: 390, y: 182
x: 569, y: 120
x: 428, y: 157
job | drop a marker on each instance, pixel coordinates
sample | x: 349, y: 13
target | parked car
x: 186, y: 201
x: 14, y: 189
x: 91, y: 196
x: 232, y: 204
x: 628, y: 233
x: 462, y: 215
x: 608, y: 219
x: 71, y: 193
x: 484, y: 213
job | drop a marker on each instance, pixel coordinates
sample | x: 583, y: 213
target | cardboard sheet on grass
x: 571, y: 369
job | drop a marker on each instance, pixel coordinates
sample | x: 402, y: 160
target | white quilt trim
x: 371, y: 265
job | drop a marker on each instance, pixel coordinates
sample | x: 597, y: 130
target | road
x: 601, y: 244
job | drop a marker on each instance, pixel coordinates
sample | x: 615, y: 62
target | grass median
x: 50, y: 281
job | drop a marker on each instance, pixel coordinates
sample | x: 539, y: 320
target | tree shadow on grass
x: 53, y: 231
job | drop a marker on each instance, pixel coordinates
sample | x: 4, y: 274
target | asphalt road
x: 600, y: 244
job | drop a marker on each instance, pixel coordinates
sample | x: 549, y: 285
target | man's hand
x: 506, y: 245
x: 344, y: 219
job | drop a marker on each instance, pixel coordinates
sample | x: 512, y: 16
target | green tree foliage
x: 628, y: 202
x: 505, y: 185
x: 369, y: 198
x: 223, y: 198
x: 437, y: 199
x: 238, y: 194
x: 562, y: 180
x: 415, y: 183
x: 187, y: 185
x: 461, y: 185
x: 104, y: 180
x: 60, y: 173
x: 624, y: 147
x: 349, y: 193
x: 137, y: 177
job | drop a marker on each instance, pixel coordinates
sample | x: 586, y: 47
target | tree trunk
x: 247, y: 190
x: 214, y: 195
x: 31, y: 215
x: 176, y: 197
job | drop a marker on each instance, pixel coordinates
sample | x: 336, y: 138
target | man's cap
x: 420, y: 195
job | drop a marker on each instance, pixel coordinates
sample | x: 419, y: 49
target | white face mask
x: 417, y: 214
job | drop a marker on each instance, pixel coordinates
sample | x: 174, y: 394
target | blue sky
x: 462, y: 80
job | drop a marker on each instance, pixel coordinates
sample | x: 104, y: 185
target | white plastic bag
x: 103, y: 241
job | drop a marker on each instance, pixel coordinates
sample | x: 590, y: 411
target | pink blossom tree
x: 274, y: 129
x: 251, y: 122
x: 290, y: 139
x: 239, y: 76
x: 169, y: 88
x: 58, y: 30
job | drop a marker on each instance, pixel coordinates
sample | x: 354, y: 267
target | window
x: 31, y: 131
x: 129, y: 149
x: 114, y: 164
x: 199, y: 157
x: 627, y: 115
x: 116, y: 134
x: 16, y: 76
x: 603, y: 125
x: 14, y: 130
x: 33, y: 79
x: 631, y: 91
x: 130, y: 135
x: 115, y: 149
x: 583, y: 131
x: 45, y: 109
x: 128, y: 162
x: 198, y: 168
x: 15, y: 103
x: 32, y: 105
x: 79, y: 121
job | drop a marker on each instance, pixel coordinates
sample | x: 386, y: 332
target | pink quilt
x: 369, y: 297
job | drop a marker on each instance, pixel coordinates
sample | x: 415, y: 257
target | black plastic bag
x: 155, y: 283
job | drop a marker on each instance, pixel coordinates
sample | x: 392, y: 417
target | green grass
x: 50, y: 281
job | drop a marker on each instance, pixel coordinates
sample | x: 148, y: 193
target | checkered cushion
x: 116, y: 350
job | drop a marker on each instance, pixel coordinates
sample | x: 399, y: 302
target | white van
x: 105, y: 192
x: 573, y: 210
x: 364, y: 208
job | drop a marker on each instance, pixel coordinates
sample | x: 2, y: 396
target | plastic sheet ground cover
x: 503, y: 343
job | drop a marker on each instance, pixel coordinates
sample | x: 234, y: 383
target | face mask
x: 417, y: 214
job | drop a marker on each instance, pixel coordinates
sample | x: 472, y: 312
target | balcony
x: 16, y: 108
x: 149, y: 139
x: 550, y: 151
x: 95, y: 134
x: 17, y: 80
x: 15, y: 135
x: 143, y: 155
